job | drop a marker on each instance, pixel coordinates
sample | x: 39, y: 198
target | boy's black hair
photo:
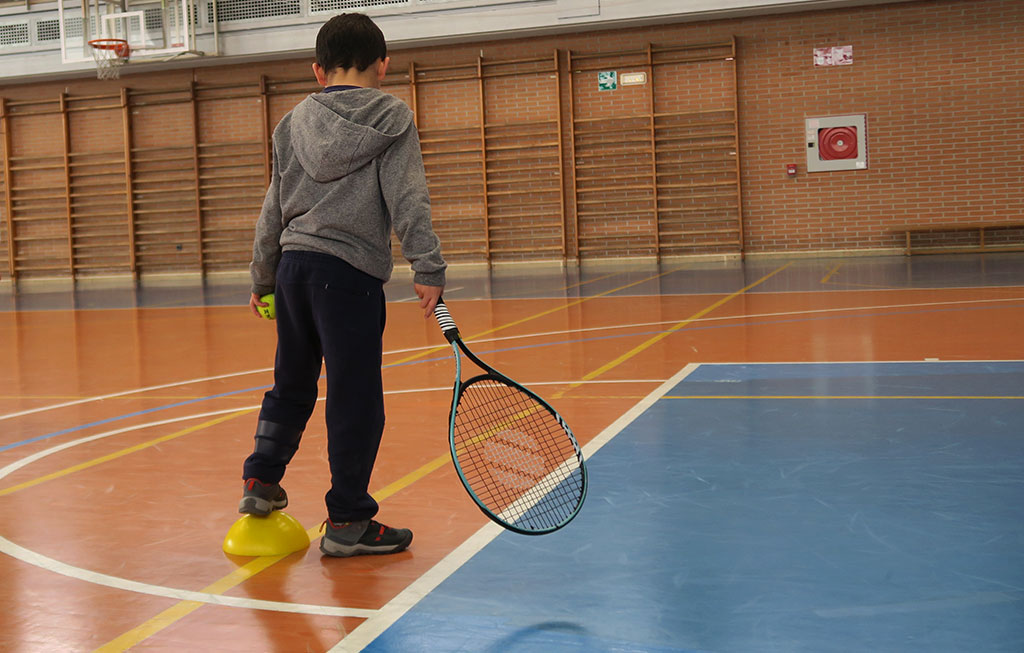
x: 349, y: 40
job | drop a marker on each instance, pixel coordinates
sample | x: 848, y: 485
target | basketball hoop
x: 110, y: 55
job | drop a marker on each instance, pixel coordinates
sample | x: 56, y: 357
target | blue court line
x: 508, y: 349
x: 125, y: 416
x: 116, y: 418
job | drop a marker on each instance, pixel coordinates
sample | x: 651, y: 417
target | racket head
x: 515, y: 455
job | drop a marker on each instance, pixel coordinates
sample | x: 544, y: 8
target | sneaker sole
x: 336, y: 550
x: 259, y: 507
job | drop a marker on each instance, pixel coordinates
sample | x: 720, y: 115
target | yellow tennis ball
x: 267, y: 311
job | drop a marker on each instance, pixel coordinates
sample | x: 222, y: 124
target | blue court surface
x: 771, y: 507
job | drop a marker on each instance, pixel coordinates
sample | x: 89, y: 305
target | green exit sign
x: 607, y: 80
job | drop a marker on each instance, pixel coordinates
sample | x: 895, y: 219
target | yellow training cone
x: 276, y: 534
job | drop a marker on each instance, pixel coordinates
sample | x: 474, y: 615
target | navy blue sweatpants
x: 326, y: 311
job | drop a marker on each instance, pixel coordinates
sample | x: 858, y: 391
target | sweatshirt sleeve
x: 403, y: 184
x: 266, y: 250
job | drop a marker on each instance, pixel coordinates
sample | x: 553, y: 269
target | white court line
x: 393, y: 610
x: 86, y: 400
x: 27, y: 460
x: 737, y: 317
x: 517, y: 337
x: 414, y: 298
x: 634, y: 325
x: 865, y: 289
x: 49, y: 564
x: 532, y: 497
x: 56, y: 566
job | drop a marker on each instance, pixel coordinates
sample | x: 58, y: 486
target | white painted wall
x: 420, y: 22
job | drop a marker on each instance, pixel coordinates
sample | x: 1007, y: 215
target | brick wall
x: 940, y: 83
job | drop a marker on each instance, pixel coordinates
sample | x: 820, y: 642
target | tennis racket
x: 515, y: 455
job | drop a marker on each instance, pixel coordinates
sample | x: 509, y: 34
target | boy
x: 347, y: 164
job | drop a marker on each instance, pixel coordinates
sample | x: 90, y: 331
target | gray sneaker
x: 261, y: 498
x: 362, y: 538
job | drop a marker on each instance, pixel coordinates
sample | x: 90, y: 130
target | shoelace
x: 333, y: 525
x: 380, y: 531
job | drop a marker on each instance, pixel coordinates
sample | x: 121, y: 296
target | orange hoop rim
x: 119, y: 46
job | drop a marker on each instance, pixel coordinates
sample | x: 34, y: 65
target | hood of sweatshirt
x: 333, y: 134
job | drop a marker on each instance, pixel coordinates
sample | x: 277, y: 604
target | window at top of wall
x: 320, y: 6
x: 228, y: 10
x: 13, y: 34
x: 48, y: 30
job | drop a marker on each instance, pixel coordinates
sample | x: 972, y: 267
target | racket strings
x: 516, y: 456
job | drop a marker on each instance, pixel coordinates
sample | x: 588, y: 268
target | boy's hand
x: 254, y: 301
x: 428, y: 297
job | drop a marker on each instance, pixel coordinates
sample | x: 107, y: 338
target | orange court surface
x: 126, y: 414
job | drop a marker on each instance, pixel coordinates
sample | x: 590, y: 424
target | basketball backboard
x: 153, y: 28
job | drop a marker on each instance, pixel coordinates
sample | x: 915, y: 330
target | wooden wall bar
x: 657, y: 165
x: 525, y: 159
x: 6, y: 224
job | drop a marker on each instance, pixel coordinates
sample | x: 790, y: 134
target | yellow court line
x: 74, y: 397
x: 842, y: 397
x: 583, y: 283
x: 617, y: 397
x: 831, y: 272
x: 123, y: 452
x: 43, y: 397
x: 884, y: 286
x: 136, y: 635
x: 666, y: 333
x: 182, y: 609
x: 543, y: 313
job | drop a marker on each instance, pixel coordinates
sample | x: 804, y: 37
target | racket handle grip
x: 445, y: 321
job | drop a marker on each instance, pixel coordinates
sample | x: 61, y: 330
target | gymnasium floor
x: 785, y: 455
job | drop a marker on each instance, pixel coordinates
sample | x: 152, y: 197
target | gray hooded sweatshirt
x: 347, y: 167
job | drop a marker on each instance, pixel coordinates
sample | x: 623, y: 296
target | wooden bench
x: 980, y: 227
